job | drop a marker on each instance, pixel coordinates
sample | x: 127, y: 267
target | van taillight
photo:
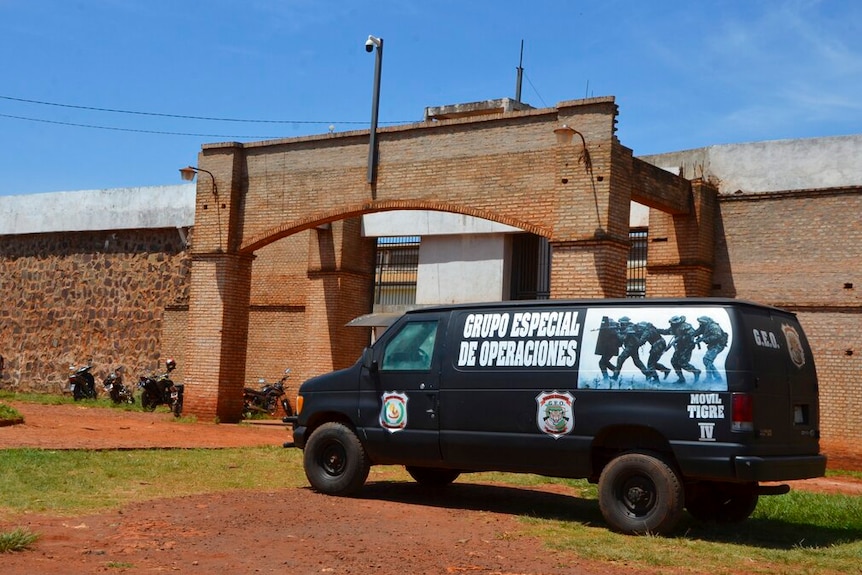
x: 742, y: 411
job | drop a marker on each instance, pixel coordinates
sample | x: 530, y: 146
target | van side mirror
x: 368, y: 360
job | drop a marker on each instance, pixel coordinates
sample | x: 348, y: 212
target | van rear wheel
x: 640, y: 493
x: 335, y: 461
x: 721, y: 502
x: 432, y: 476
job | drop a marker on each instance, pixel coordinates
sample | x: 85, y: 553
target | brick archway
x: 507, y: 167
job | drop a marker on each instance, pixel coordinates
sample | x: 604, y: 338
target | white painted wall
x: 91, y: 210
x: 421, y: 223
x: 461, y: 268
x: 772, y: 166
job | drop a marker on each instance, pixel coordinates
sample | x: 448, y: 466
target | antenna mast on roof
x: 520, y: 74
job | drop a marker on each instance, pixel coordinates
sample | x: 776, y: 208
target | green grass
x: 800, y: 532
x: 8, y: 413
x: 16, y: 540
x: 74, y: 482
x: 103, y: 401
x: 42, y: 398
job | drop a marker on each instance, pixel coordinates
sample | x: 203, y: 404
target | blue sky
x: 685, y: 73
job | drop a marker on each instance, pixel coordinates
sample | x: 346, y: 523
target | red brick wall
x: 801, y: 251
x: 506, y: 167
x: 831, y: 335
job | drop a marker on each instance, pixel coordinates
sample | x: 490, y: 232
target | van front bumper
x: 299, y: 436
x: 786, y: 468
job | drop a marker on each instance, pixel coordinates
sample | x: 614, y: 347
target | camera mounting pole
x: 370, y: 44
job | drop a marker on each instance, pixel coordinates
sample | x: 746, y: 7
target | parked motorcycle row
x: 155, y: 389
x: 160, y: 389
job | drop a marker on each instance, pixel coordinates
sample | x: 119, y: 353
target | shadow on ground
x: 543, y: 505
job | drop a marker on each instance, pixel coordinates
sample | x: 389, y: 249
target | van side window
x: 412, y: 348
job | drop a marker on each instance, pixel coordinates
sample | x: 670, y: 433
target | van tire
x: 432, y: 476
x: 335, y: 461
x: 722, y: 502
x: 639, y: 493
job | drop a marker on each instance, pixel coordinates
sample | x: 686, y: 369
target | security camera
x: 372, y: 42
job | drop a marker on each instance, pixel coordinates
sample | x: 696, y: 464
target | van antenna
x: 520, y: 74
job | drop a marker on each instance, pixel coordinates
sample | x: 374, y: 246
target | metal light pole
x: 370, y: 44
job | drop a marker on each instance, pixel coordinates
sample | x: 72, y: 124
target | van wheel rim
x: 638, y: 495
x: 333, y: 459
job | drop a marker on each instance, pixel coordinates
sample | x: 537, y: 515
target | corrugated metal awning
x: 374, y: 320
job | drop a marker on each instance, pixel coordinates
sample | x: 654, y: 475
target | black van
x: 666, y: 404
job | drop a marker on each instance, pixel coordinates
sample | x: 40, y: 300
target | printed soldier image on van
x: 655, y: 348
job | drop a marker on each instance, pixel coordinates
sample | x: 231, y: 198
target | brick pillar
x: 217, y: 336
x: 219, y: 293
x: 341, y: 276
x: 590, y: 244
x: 588, y: 269
x: 681, y: 251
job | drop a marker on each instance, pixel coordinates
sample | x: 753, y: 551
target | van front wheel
x: 640, y: 493
x: 432, y: 476
x: 335, y: 461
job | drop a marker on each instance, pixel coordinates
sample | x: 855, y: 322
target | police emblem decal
x: 794, y: 345
x: 555, y: 414
x: 393, y: 412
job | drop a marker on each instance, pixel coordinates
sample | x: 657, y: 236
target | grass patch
x: 800, y: 532
x: 75, y: 482
x: 8, y: 413
x: 41, y: 398
x: 841, y: 473
x: 16, y: 540
x: 103, y: 401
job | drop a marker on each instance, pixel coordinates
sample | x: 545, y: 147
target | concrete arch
x: 317, y: 219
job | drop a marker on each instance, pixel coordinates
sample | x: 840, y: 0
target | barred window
x: 531, y: 267
x: 637, y: 264
x: 396, y: 270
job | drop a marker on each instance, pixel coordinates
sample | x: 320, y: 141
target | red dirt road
x: 392, y: 527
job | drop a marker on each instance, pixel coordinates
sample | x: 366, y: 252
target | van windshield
x: 412, y: 348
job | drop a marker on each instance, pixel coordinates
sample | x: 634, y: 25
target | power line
x: 182, y: 116
x: 116, y: 129
x: 544, y: 105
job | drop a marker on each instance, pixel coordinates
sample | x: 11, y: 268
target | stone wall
x: 73, y: 297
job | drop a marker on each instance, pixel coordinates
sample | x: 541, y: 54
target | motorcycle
x: 82, y: 384
x: 266, y: 399
x: 161, y: 390
x: 116, y: 389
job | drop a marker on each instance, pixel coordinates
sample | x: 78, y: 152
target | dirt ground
x: 391, y: 527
